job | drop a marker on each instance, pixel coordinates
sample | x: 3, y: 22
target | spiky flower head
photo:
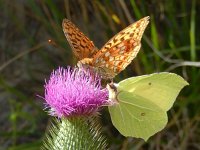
x: 72, y: 92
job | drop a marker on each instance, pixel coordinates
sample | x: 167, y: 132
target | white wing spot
x: 130, y: 59
x: 114, y: 48
x: 101, y: 59
x: 111, y: 58
x: 121, y: 58
x: 121, y: 52
x: 103, y: 62
x: 107, y: 54
x: 123, y: 48
x: 116, y: 63
x: 120, y: 45
x: 124, y: 65
x: 115, y: 69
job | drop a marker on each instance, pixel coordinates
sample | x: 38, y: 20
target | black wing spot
x: 142, y: 114
x: 150, y: 83
x: 131, y: 35
x: 115, y: 40
x: 122, y: 39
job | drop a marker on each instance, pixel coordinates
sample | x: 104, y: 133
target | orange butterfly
x: 114, y: 56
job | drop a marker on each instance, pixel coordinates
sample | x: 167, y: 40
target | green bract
x: 143, y: 103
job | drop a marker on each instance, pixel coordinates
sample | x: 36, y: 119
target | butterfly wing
x: 120, y: 50
x: 82, y: 46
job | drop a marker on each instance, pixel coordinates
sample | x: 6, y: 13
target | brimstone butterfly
x: 141, y: 103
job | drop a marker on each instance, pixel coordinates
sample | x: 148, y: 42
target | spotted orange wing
x: 120, y: 50
x: 82, y: 46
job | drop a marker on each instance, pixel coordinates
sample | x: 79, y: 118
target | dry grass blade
x: 21, y: 55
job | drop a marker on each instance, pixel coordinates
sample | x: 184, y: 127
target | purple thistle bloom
x: 72, y: 92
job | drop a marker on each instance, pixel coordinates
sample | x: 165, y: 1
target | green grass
x: 171, y: 43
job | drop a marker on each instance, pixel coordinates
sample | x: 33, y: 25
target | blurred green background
x: 171, y: 43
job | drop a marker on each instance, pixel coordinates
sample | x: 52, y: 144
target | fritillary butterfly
x: 114, y: 56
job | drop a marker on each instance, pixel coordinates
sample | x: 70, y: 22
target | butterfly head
x: 112, y: 89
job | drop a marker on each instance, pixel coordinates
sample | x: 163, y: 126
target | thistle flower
x: 72, y: 92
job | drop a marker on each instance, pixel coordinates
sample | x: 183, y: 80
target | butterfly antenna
x: 54, y: 44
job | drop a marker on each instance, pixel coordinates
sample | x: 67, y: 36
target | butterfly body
x: 114, y: 56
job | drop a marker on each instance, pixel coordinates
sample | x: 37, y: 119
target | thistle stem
x: 75, y: 133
